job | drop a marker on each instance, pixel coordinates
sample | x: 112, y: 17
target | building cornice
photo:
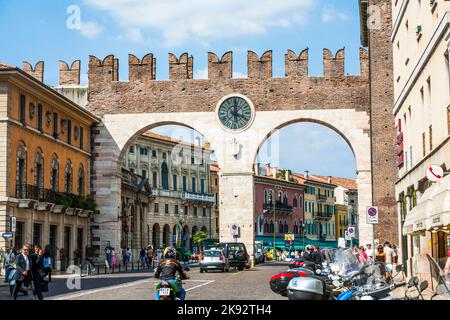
x: 45, y: 93
x: 439, y: 33
x: 399, y: 19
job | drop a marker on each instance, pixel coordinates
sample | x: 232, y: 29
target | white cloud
x: 181, y: 21
x: 90, y: 29
x: 331, y: 14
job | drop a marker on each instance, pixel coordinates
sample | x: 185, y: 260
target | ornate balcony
x: 321, y: 198
x: 279, y: 208
x: 32, y: 197
x: 197, y: 198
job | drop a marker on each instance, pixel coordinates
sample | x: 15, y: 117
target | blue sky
x: 48, y: 30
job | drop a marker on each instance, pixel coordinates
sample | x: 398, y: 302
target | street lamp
x: 277, y: 188
x: 303, y: 233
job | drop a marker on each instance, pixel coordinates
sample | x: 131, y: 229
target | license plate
x: 164, y: 292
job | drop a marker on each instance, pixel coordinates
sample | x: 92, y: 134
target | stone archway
x: 236, y: 155
x: 156, y: 236
x: 167, y: 236
x: 353, y: 128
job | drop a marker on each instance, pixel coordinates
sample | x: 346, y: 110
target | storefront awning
x: 432, y: 210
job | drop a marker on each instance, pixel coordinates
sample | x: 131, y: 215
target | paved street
x: 251, y: 284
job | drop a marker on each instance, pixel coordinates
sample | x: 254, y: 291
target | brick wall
x: 383, y: 134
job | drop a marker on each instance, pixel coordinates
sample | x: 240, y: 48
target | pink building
x: 287, y: 198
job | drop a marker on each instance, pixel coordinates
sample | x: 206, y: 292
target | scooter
x: 169, y: 291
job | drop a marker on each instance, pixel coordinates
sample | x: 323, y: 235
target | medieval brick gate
x: 357, y: 107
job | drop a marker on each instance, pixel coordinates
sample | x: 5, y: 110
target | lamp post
x: 277, y: 188
x: 303, y: 233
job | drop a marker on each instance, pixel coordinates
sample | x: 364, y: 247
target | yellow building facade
x: 45, y: 168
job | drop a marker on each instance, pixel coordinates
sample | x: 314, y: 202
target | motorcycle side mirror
x: 398, y: 268
x: 441, y: 289
x: 413, y: 282
x: 423, y: 286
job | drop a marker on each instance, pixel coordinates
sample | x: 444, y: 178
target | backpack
x: 48, y: 262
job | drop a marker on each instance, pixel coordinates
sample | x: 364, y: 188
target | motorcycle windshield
x: 343, y: 261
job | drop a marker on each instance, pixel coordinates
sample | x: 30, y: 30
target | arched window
x: 285, y: 198
x: 165, y: 176
x: 286, y: 227
x: 54, y: 174
x: 39, y: 174
x: 272, y: 227
x: 280, y: 227
x: 21, y: 171
x: 266, y: 197
x: 294, y: 201
x: 68, y: 177
x: 81, y: 180
x: 270, y: 197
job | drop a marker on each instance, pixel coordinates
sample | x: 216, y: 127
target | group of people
x: 30, y: 270
x: 148, y: 257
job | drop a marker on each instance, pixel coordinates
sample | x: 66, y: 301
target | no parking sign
x: 351, y: 232
x: 372, y: 215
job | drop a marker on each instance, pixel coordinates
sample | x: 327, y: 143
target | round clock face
x: 235, y: 113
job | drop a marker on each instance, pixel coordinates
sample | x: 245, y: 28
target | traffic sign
x: 8, y: 235
x: 289, y: 240
x: 347, y: 236
x: 13, y: 224
x: 435, y: 173
x: 351, y: 232
x: 372, y: 215
x: 235, y: 230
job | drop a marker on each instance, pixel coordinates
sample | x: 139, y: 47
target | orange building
x: 45, y: 162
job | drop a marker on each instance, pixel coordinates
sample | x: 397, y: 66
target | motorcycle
x: 170, y: 291
x: 280, y: 281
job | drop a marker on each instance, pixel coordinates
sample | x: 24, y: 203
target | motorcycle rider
x: 167, y: 269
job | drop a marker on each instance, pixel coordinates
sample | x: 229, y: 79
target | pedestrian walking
x: 369, y: 252
x: 362, y: 252
x: 48, y: 266
x: 113, y: 258
x: 149, y: 257
x: 129, y: 256
x: 124, y: 258
x: 394, y: 255
x: 37, y: 271
x: 10, y: 256
x: 23, y: 275
x: 142, y: 257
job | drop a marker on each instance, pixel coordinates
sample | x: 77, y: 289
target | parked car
x: 214, y: 259
x: 237, y: 255
x: 259, y: 252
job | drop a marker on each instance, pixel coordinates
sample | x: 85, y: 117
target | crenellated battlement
x: 220, y: 68
x: 142, y: 70
x: 69, y: 75
x: 182, y: 67
x: 37, y: 72
x: 101, y: 71
x: 296, y: 67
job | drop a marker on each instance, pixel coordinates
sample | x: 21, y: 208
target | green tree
x: 200, y: 237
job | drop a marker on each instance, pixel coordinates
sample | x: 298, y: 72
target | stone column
x: 236, y: 205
